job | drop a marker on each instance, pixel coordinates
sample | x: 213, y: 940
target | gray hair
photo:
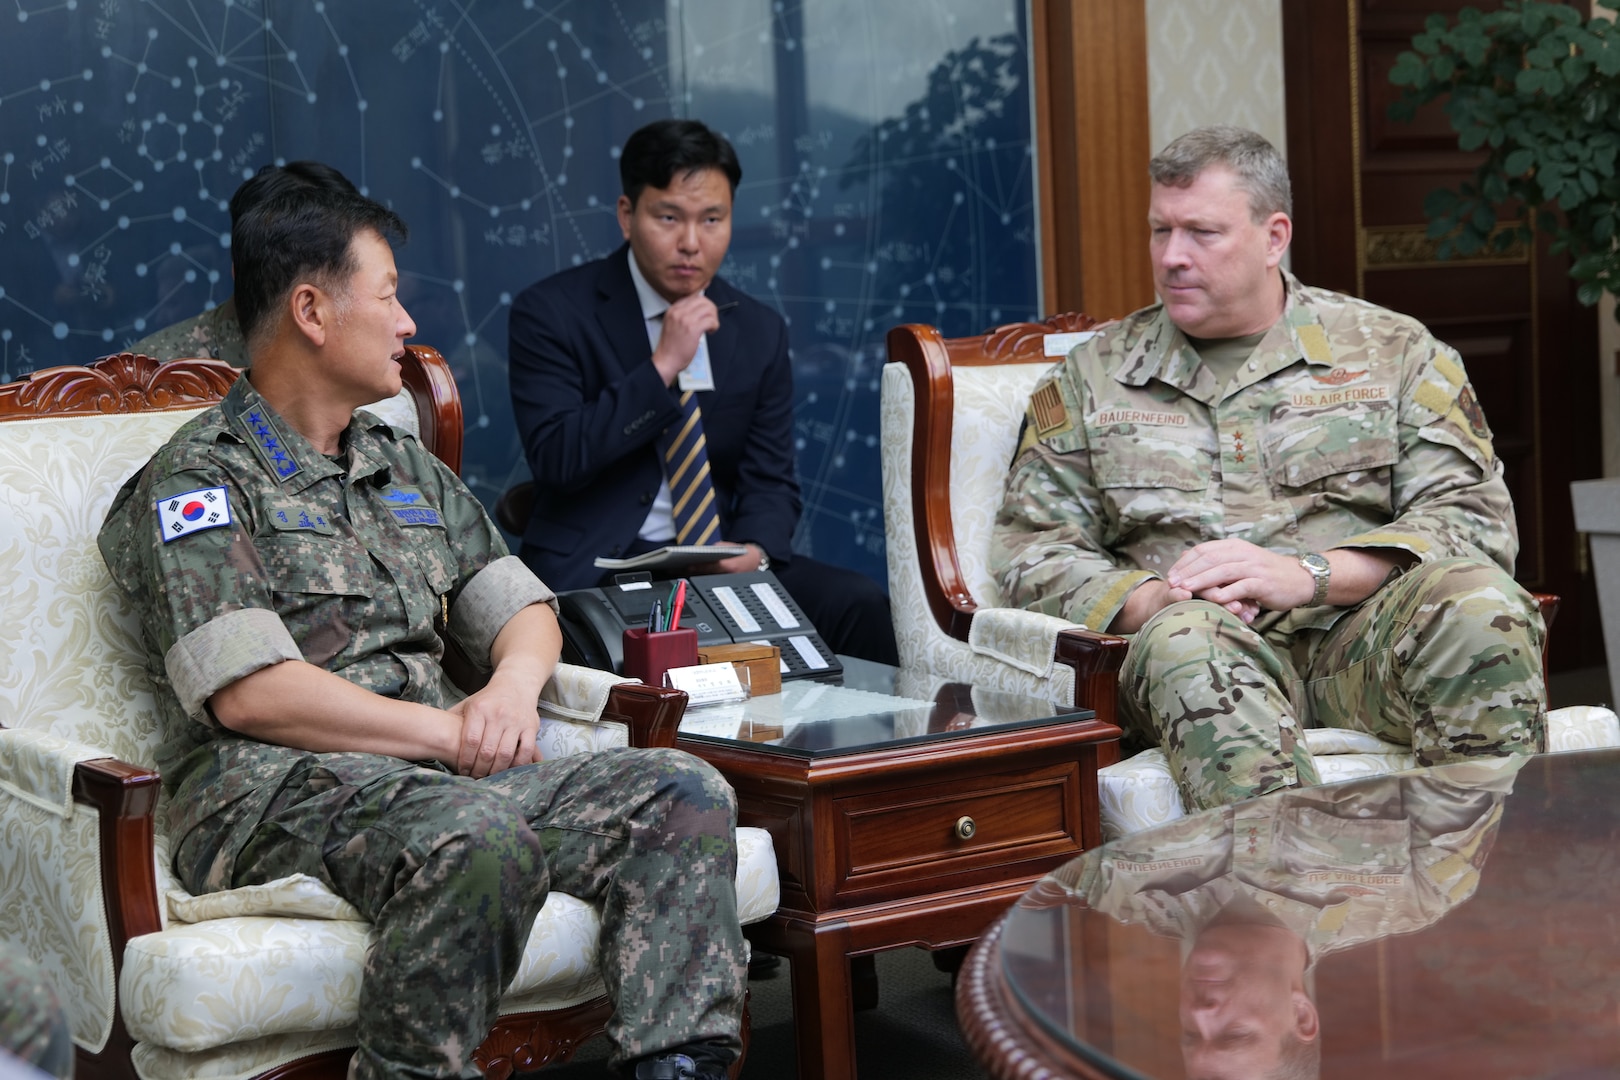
x: 1260, y: 170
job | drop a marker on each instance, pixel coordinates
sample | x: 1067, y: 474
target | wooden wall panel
x: 1091, y: 95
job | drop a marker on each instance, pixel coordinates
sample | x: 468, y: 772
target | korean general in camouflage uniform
x: 1259, y: 892
x: 1174, y: 468
x: 300, y: 569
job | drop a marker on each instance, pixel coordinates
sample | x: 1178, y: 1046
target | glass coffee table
x: 905, y: 810
x: 1448, y: 922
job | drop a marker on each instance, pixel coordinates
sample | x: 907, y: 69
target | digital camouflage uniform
x: 365, y: 569
x: 1349, y: 426
x: 33, y: 1027
x: 1339, y: 866
x: 215, y: 333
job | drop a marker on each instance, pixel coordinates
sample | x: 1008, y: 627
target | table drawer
x: 911, y: 838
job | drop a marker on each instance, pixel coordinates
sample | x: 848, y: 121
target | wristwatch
x: 1320, y: 571
x: 764, y: 559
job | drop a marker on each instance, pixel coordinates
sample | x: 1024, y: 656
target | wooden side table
x: 915, y: 823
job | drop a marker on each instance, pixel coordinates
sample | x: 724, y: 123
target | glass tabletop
x: 1449, y: 922
x: 875, y: 706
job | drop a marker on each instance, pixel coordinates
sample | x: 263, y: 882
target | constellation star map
x: 887, y: 176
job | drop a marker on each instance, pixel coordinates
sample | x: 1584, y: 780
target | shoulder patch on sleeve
x: 1472, y: 414
x: 193, y: 511
x: 1460, y: 413
x: 1050, y: 416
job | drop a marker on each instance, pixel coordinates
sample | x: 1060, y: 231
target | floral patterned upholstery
x: 235, y: 982
x: 1005, y: 656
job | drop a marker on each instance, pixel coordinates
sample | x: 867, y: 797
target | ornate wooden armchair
x: 951, y: 412
x: 251, y: 982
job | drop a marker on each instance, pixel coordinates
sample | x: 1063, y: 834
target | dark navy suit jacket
x: 590, y: 407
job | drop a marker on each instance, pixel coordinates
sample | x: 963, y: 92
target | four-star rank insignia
x: 272, y: 447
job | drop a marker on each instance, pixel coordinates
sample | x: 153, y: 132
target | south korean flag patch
x: 193, y: 511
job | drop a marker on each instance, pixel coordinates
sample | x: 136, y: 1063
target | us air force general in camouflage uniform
x: 364, y: 566
x: 1349, y: 426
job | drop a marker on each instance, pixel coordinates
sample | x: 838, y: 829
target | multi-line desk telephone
x: 722, y: 608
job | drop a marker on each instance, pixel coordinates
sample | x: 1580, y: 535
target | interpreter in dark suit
x: 607, y: 362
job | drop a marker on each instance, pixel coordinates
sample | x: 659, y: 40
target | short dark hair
x: 273, y: 179
x: 299, y: 233
x: 653, y: 154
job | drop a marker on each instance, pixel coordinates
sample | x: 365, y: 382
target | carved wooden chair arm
x: 124, y: 797
x: 1096, y: 660
x: 652, y: 713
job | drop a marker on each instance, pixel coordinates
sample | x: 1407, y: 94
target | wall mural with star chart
x: 886, y: 151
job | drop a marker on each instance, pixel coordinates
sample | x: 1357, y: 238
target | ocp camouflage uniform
x: 1349, y: 426
x: 1339, y: 866
x: 33, y: 1027
x: 215, y: 333
x: 366, y: 568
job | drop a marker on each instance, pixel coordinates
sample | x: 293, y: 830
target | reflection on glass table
x: 876, y: 706
x: 1453, y: 921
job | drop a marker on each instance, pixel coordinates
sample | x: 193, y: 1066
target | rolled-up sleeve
x: 489, y: 600
x: 224, y: 649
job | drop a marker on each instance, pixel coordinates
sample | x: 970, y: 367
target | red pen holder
x: 647, y: 655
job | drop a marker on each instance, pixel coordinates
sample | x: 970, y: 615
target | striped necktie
x: 686, y: 464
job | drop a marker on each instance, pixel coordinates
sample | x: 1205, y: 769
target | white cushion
x: 296, y: 896
x: 238, y: 1061
x: 261, y: 966
x: 1138, y: 793
x: 1582, y: 727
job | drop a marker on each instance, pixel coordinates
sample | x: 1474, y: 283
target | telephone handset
x: 722, y: 608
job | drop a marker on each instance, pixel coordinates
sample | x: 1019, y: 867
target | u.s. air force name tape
x: 193, y: 511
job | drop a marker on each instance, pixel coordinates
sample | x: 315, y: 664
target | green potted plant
x: 1536, y: 87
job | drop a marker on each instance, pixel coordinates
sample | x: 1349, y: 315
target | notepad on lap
x: 674, y: 556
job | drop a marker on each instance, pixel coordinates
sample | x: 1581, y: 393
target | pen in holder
x: 648, y: 654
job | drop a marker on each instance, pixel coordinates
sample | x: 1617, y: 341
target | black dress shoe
x: 673, y: 1067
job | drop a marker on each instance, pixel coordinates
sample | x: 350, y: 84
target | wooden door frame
x: 1090, y: 74
x: 1324, y: 129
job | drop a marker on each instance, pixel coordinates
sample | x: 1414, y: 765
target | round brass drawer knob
x: 965, y: 827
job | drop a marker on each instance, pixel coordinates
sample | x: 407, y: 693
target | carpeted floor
x: 911, y: 1034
